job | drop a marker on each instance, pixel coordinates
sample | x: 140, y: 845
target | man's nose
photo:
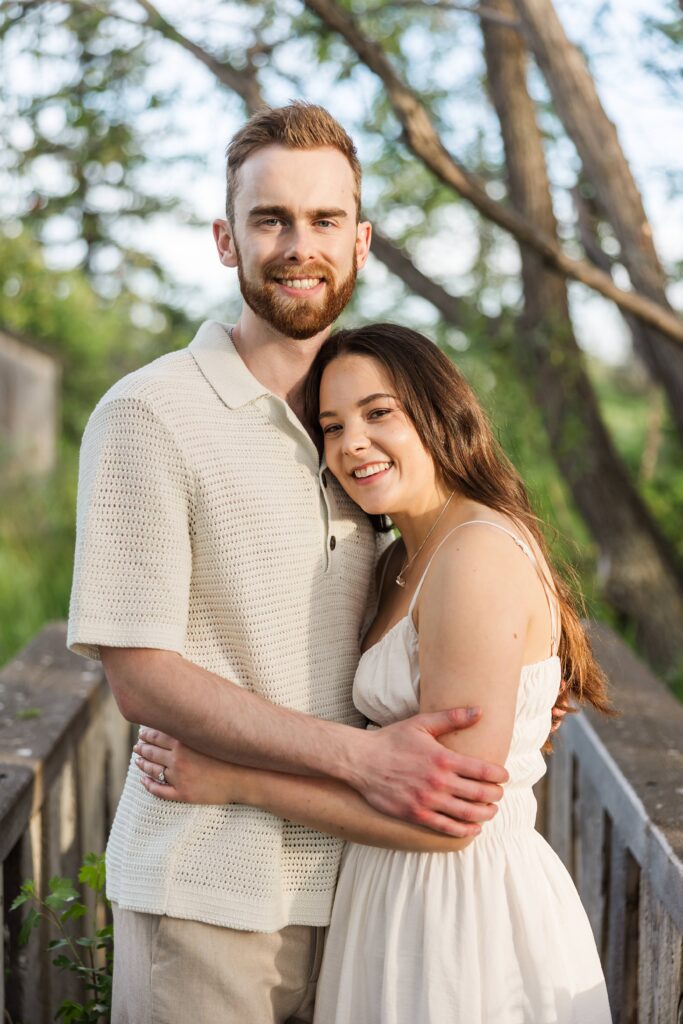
x: 299, y: 244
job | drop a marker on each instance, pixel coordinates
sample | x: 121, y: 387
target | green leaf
x: 32, y: 921
x: 93, y: 871
x: 70, y: 1011
x: 57, y: 943
x: 61, y: 891
x: 63, y: 962
x: 27, y: 892
x: 74, y: 912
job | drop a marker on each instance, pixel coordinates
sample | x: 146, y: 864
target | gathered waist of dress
x: 516, y: 810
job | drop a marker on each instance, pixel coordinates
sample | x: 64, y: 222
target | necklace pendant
x: 400, y: 581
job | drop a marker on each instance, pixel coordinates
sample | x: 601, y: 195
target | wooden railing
x: 64, y: 751
x: 611, y: 805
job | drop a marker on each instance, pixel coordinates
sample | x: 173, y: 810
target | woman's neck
x: 422, y: 524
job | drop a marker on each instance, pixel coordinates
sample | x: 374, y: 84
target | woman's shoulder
x: 485, y: 546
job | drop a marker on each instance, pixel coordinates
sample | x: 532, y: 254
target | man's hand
x: 404, y: 771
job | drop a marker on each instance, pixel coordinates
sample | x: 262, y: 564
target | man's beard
x: 295, y: 318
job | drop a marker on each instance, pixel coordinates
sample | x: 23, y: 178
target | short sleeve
x: 133, y: 560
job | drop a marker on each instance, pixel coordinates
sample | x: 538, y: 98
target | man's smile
x: 300, y: 286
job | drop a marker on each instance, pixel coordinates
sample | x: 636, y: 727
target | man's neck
x: 278, y: 362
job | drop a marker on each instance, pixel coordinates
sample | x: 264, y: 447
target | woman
x: 428, y: 929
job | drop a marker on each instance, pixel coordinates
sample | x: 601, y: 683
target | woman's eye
x: 333, y: 428
x: 375, y: 414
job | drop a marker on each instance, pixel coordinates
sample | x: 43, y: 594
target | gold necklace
x: 400, y: 579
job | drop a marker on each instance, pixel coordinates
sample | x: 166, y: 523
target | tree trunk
x: 638, y: 570
x: 595, y: 137
x: 424, y: 141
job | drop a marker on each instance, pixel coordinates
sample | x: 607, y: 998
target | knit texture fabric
x: 206, y: 527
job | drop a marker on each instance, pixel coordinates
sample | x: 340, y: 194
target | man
x: 223, y: 576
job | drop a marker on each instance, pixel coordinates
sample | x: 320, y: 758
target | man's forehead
x: 279, y: 176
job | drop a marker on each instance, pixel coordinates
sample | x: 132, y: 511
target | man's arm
x: 401, y: 770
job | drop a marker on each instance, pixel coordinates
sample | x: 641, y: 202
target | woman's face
x: 371, y: 445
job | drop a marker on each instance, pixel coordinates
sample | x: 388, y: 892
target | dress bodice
x: 386, y: 689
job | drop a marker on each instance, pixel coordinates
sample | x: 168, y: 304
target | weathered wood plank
x: 660, y: 968
x: 590, y: 853
x: 560, y: 799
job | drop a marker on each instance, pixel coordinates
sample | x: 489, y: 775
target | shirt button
x: 333, y: 543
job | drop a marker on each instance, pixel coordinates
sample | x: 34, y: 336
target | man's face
x: 295, y: 240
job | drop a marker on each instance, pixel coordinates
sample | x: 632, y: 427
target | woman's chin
x: 370, y: 507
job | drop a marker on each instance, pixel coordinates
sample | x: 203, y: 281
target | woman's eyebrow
x: 360, y: 404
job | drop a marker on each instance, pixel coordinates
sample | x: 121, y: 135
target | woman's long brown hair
x: 456, y: 432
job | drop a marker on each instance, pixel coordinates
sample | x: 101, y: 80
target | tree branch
x: 425, y: 143
x: 243, y: 82
x: 486, y: 13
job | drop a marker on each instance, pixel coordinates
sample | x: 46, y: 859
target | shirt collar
x: 217, y: 358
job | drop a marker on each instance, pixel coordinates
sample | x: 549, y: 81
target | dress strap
x: 520, y: 544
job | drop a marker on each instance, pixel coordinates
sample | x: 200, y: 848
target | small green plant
x: 79, y: 956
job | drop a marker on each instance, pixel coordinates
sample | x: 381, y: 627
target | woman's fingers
x: 156, y: 737
x: 164, y: 792
x: 152, y: 770
x: 159, y: 755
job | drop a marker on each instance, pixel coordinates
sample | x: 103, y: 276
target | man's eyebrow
x: 285, y: 214
x: 360, y: 404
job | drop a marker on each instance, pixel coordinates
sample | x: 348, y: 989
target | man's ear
x: 225, y: 243
x: 363, y: 236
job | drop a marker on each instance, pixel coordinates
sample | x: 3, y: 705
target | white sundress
x: 493, y: 934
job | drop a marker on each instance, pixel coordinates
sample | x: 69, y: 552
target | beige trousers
x: 172, y: 971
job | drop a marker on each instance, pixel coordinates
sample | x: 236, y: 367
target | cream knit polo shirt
x: 206, y: 527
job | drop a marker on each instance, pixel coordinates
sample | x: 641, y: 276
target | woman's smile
x: 371, y: 472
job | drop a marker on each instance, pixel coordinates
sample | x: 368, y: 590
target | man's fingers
x: 472, y: 767
x: 438, y: 723
x: 464, y: 811
x: 470, y: 789
x: 448, y: 826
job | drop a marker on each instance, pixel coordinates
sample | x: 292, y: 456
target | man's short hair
x: 299, y: 125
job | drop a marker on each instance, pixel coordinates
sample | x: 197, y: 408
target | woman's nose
x: 355, y: 440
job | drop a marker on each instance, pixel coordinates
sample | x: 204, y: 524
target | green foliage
x: 95, y: 342
x: 89, y: 121
x: 88, y: 957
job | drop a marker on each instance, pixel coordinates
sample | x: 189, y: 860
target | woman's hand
x: 172, y: 771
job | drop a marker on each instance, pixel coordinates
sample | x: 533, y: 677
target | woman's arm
x: 482, y: 616
x: 322, y: 804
